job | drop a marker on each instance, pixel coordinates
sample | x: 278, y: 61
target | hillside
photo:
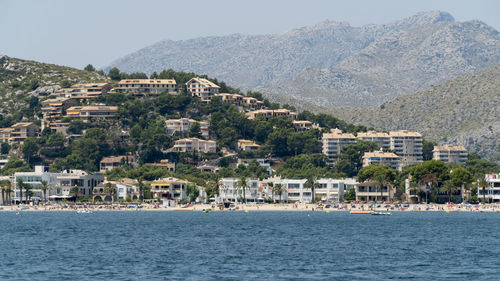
x: 464, y: 110
x: 334, y: 64
x: 21, y: 79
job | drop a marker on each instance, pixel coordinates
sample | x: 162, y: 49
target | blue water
x: 247, y: 246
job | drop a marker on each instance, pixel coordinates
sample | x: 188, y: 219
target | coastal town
x: 204, y: 164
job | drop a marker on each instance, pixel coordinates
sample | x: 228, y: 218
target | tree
x: 449, y: 188
x: 89, y: 68
x: 242, y: 184
x: 350, y: 195
x: 28, y: 191
x: 427, y: 148
x: 311, y: 183
x: 20, y: 185
x: 75, y: 192
x: 381, y: 181
x: 6, y: 190
x: 111, y: 190
x: 483, y: 184
x: 30, y: 148
x: 44, y: 186
x: 460, y: 177
x: 278, y: 188
x: 114, y: 74
x: 195, y: 130
x: 5, y: 148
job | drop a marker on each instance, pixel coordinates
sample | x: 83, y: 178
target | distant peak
x: 429, y: 17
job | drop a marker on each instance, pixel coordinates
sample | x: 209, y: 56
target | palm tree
x: 242, y: 184
x: 111, y: 190
x: 140, y: 183
x: 278, y: 188
x: 44, y: 187
x: 20, y: 185
x: 429, y: 178
x: 483, y: 184
x: 449, y: 188
x: 311, y: 183
x: 75, y: 192
x: 3, y: 192
x: 416, y: 188
x: 28, y: 187
x: 8, y: 190
x: 381, y: 181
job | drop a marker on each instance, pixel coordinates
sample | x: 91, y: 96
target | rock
x: 45, y: 91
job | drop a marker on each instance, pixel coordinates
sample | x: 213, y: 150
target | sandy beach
x: 268, y: 207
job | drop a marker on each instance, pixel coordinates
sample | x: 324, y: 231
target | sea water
x: 140, y: 245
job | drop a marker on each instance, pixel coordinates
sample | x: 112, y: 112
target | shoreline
x: 490, y: 208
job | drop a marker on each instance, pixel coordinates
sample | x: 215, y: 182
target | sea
x: 149, y: 245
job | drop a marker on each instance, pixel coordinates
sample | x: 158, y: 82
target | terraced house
x: 84, y: 91
x: 147, y: 86
x: 19, y: 132
x: 202, y: 88
x: 270, y: 113
x: 93, y: 112
x: 52, y: 109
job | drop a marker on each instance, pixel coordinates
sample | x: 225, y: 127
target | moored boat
x: 360, y: 212
x: 375, y: 213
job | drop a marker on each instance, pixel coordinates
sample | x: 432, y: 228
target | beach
x: 265, y: 207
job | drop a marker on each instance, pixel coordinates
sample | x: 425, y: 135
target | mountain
x: 334, y: 64
x: 463, y: 111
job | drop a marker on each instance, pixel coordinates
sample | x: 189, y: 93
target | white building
x: 60, y: 185
x: 492, y: 190
x: 230, y: 190
x: 408, y: 146
x: 183, y: 125
x: 334, y: 142
x: 202, y: 88
x: 449, y: 153
x: 195, y: 144
x: 127, y: 189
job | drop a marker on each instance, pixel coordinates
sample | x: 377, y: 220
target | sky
x: 78, y: 32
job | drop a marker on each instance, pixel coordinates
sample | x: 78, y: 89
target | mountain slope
x: 412, y: 60
x: 464, y: 111
x: 249, y: 61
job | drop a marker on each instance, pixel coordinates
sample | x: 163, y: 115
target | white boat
x: 375, y: 213
x: 84, y: 211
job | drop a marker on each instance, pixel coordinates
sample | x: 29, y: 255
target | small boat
x: 381, y: 213
x: 84, y: 211
x: 360, y: 212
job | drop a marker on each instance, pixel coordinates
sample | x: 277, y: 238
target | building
x: 330, y: 190
x: 165, y: 164
x: 147, y: 86
x: 491, y: 192
x: 202, y: 88
x: 383, y: 158
x: 169, y: 189
x: 19, y: 132
x: 109, y: 163
x: 334, y: 142
x: 84, y: 91
x: 128, y: 189
x: 448, y: 153
x: 93, y: 112
x: 408, y: 146
x: 247, y: 145
x: 235, y: 99
x: 269, y: 113
x: 183, y: 125
x: 369, y: 191
x: 230, y: 190
x: 380, y: 138
x: 194, y: 144
x: 303, y: 125
x: 52, y: 109
x: 252, y: 103
x: 209, y: 169
x: 262, y: 162
x: 61, y: 185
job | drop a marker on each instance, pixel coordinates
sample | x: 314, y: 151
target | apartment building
x: 380, y: 138
x: 183, y: 125
x: 334, y: 142
x: 369, y: 191
x: 408, y: 146
x: 235, y: 99
x: 169, y: 189
x: 491, y: 192
x: 165, y: 164
x: 383, y: 158
x: 60, y: 185
x: 147, y: 86
x: 19, y: 132
x: 209, y: 169
x: 450, y: 154
x: 194, y: 144
x: 109, y: 163
x: 52, y: 108
x: 252, y: 103
x: 93, y: 112
x: 330, y: 190
x: 202, y: 88
x: 247, y: 145
x: 84, y: 91
x: 230, y: 190
x: 269, y: 113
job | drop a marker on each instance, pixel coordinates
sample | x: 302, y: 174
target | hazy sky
x: 76, y: 33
